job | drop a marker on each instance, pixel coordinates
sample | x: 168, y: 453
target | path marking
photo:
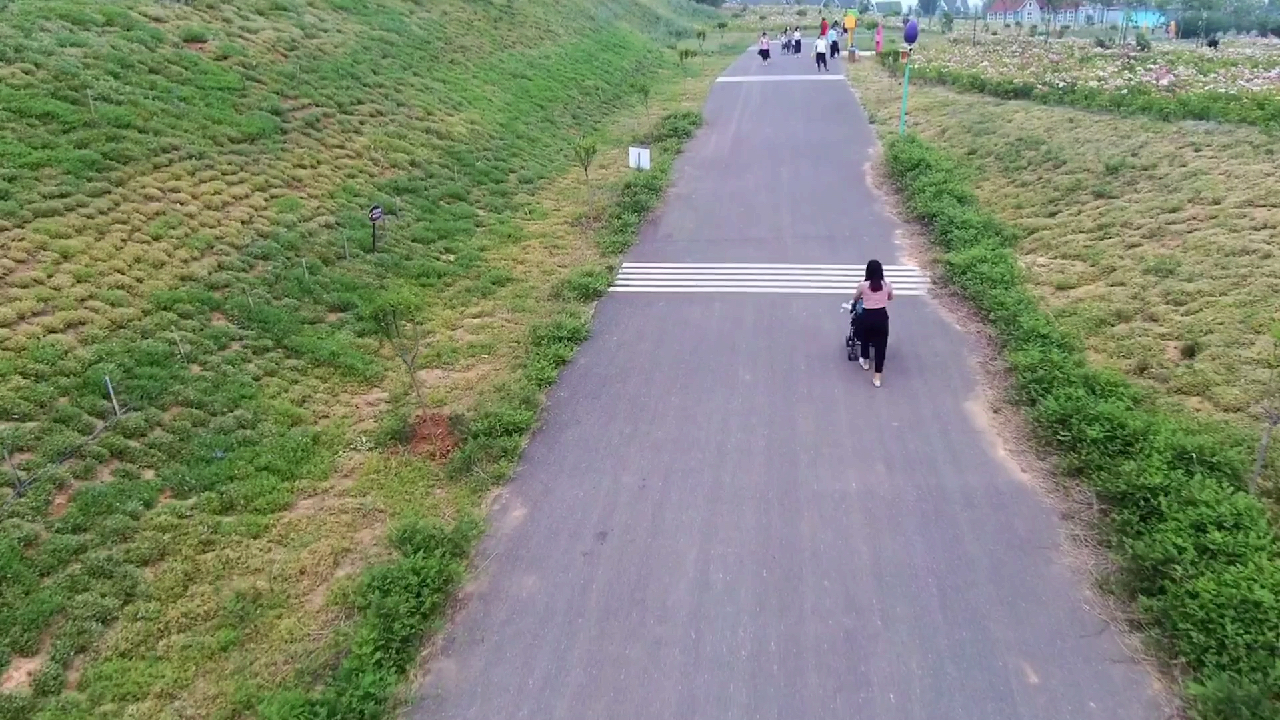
x: 761, y: 278
x: 777, y: 78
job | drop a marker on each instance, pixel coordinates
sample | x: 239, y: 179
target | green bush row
x: 1259, y: 109
x: 1198, y: 554
x: 401, y: 601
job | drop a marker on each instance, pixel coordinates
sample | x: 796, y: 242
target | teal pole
x: 906, y: 79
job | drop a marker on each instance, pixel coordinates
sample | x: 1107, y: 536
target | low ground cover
x: 183, y: 211
x: 1238, y: 82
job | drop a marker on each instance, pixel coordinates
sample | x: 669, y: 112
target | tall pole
x: 906, y: 80
x: 910, y: 33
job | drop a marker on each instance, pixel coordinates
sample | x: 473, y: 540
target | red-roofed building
x: 1034, y: 12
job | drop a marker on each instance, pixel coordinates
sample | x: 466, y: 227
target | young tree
x: 643, y: 90
x: 702, y: 37
x: 584, y: 153
x: 927, y: 7
x: 401, y: 330
x: 1051, y: 8
x: 722, y: 26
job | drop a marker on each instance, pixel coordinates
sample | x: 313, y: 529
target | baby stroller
x: 851, y: 340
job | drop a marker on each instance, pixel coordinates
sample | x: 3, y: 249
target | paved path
x: 721, y: 519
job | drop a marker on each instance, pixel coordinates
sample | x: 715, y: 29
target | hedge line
x: 1257, y: 109
x: 400, y: 602
x: 1198, y: 554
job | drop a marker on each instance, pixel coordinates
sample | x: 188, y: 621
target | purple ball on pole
x: 911, y: 32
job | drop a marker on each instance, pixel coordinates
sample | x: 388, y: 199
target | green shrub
x: 397, y: 602
x: 1199, y: 556
x: 585, y: 284
x: 194, y: 34
x: 1259, y: 109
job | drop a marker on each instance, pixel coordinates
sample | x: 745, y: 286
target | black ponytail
x: 875, y: 276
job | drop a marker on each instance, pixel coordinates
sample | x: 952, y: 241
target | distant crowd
x: 791, y: 40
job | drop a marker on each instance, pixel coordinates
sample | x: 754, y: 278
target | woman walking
x: 764, y: 47
x: 873, y: 326
x: 820, y: 53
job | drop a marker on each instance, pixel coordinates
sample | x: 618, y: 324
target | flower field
x: 1239, y: 82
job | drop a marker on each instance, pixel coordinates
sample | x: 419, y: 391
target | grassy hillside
x: 183, y: 198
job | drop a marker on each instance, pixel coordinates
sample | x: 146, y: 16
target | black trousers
x: 822, y: 60
x: 873, y: 332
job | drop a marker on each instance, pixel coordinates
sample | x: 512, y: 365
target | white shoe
x: 876, y: 381
x: 863, y: 362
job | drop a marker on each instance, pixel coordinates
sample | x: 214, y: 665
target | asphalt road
x: 721, y: 519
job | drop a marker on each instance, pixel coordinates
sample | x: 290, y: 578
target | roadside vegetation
x: 1127, y: 267
x: 245, y: 453
x: 1155, y: 245
x: 1197, y: 554
x: 1237, y: 82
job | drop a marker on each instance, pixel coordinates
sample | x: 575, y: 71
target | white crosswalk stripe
x: 760, y: 278
x: 777, y: 78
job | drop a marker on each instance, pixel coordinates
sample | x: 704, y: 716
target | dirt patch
x: 61, y: 500
x: 21, y: 670
x: 106, y: 469
x: 217, y: 318
x: 16, y: 459
x: 74, y: 671
x: 433, y: 437
x: 369, y: 407
x: 366, y: 543
x: 199, y: 47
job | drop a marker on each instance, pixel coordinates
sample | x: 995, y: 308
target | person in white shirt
x: 820, y: 53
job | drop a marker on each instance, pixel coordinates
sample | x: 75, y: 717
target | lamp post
x: 910, y: 33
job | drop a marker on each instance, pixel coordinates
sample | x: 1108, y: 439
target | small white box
x: 639, y: 158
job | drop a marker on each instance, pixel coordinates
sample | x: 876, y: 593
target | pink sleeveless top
x: 872, y: 300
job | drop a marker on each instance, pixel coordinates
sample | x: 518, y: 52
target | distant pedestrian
x: 820, y: 53
x: 873, y: 325
x: 834, y: 38
x: 879, y: 38
x: 764, y: 47
x: 823, y: 29
x: 784, y: 39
